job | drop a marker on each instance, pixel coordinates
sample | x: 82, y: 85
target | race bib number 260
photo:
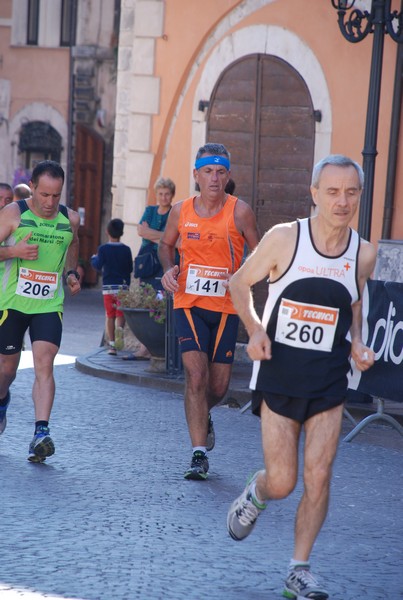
x: 308, y: 326
x: 40, y: 285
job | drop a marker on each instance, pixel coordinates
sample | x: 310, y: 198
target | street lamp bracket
x: 357, y: 24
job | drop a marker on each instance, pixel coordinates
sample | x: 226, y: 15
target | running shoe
x: 243, y: 512
x: 300, y: 584
x: 199, y: 466
x: 3, y: 415
x: 41, y: 446
x: 210, y: 443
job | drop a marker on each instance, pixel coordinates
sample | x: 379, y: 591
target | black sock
x: 41, y: 424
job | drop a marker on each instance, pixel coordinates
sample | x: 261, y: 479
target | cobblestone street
x: 110, y: 517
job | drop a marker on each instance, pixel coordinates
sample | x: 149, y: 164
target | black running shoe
x: 198, y: 469
x: 41, y: 446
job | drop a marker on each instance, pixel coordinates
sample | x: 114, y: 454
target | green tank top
x: 36, y: 286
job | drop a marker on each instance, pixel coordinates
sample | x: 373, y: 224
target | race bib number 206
x: 308, y: 326
x: 40, y: 285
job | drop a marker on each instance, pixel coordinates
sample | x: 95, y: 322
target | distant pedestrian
x: 6, y: 194
x: 317, y: 269
x: 21, y: 191
x: 114, y: 260
x: 151, y: 227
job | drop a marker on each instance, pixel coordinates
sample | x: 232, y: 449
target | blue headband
x: 212, y: 160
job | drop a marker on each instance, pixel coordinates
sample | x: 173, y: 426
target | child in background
x: 114, y: 260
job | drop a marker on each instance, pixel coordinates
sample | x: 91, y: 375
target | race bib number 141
x: 206, y: 281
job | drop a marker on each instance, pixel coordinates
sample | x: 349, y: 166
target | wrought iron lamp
x: 355, y: 24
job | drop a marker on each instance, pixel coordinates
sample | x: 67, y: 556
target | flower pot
x: 146, y: 330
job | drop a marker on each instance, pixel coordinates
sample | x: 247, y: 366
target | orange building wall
x: 346, y: 67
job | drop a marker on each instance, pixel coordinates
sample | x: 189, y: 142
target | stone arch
x: 265, y: 39
x: 38, y: 111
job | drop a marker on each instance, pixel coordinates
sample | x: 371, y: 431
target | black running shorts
x: 46, y: 327
x: 208, y: 331
x: 298, y: 409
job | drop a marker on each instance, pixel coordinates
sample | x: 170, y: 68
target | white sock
x: 298, y: 563
x: 200, y: 449
x: 254, y: 494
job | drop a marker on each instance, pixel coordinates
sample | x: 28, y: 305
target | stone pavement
x: 110, y: 517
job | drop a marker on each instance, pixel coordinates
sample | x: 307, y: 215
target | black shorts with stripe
x: 44, y: 327
x: 208, y: 331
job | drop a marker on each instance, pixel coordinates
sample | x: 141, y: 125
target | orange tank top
x: 210, y: 249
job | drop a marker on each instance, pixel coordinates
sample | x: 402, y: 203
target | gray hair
x: 338, y: 160
x: 215, y: 149
x: 165, y: 182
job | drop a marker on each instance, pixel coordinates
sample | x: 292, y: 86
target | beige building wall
x: 171, y: 55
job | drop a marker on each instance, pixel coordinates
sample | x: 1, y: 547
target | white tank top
x: 307, y: 317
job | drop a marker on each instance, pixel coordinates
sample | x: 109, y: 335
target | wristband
x: 73, y: 272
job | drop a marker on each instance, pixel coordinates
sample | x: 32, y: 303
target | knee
x: 196, y: 379
x: 279, y: 487
x: 218, y: 390
x: 317, y: 482
x: 8, y: 370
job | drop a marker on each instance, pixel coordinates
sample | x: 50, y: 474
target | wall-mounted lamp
x: 203, y: 104
x: 317, y: 115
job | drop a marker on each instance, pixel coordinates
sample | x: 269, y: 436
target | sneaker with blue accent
x: 301, y: 584
x: 41, y: 446
x: 244, y: 512
x: 210, y: 443
x: 3, y: 414
x: 199, y: 466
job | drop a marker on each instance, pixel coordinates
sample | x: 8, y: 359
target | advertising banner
x: 383, y: 333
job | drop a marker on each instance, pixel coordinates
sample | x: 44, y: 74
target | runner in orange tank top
x: 213, y: 228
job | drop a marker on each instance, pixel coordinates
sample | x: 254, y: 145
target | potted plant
x: 145, y: 313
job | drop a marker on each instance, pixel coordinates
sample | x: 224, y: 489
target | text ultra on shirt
x: 36, y: 286
x: 211, y: 249
x: 307, y: 317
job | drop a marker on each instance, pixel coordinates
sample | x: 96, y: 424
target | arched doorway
x: 38, y: 141
x: 261, y: 109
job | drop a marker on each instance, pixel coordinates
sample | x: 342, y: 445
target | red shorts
x: 111, y: 303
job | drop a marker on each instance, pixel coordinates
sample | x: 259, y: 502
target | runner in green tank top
x: 39, y: 241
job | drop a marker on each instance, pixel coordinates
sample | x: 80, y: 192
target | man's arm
x: 72, y: 254
x: 362, y: 355
x: 9, y: 220
x: 166, y: 250
x: 263, y: 261
x: 245, y: 221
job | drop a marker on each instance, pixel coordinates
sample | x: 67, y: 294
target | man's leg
x: 196, y: 395
x: 8, y: 370
x: 206, y: 385
x: 219, y: 378
x: 322, y: 433
x: 280, y: 437
x: 43, y: 391
x: 43, y: 394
